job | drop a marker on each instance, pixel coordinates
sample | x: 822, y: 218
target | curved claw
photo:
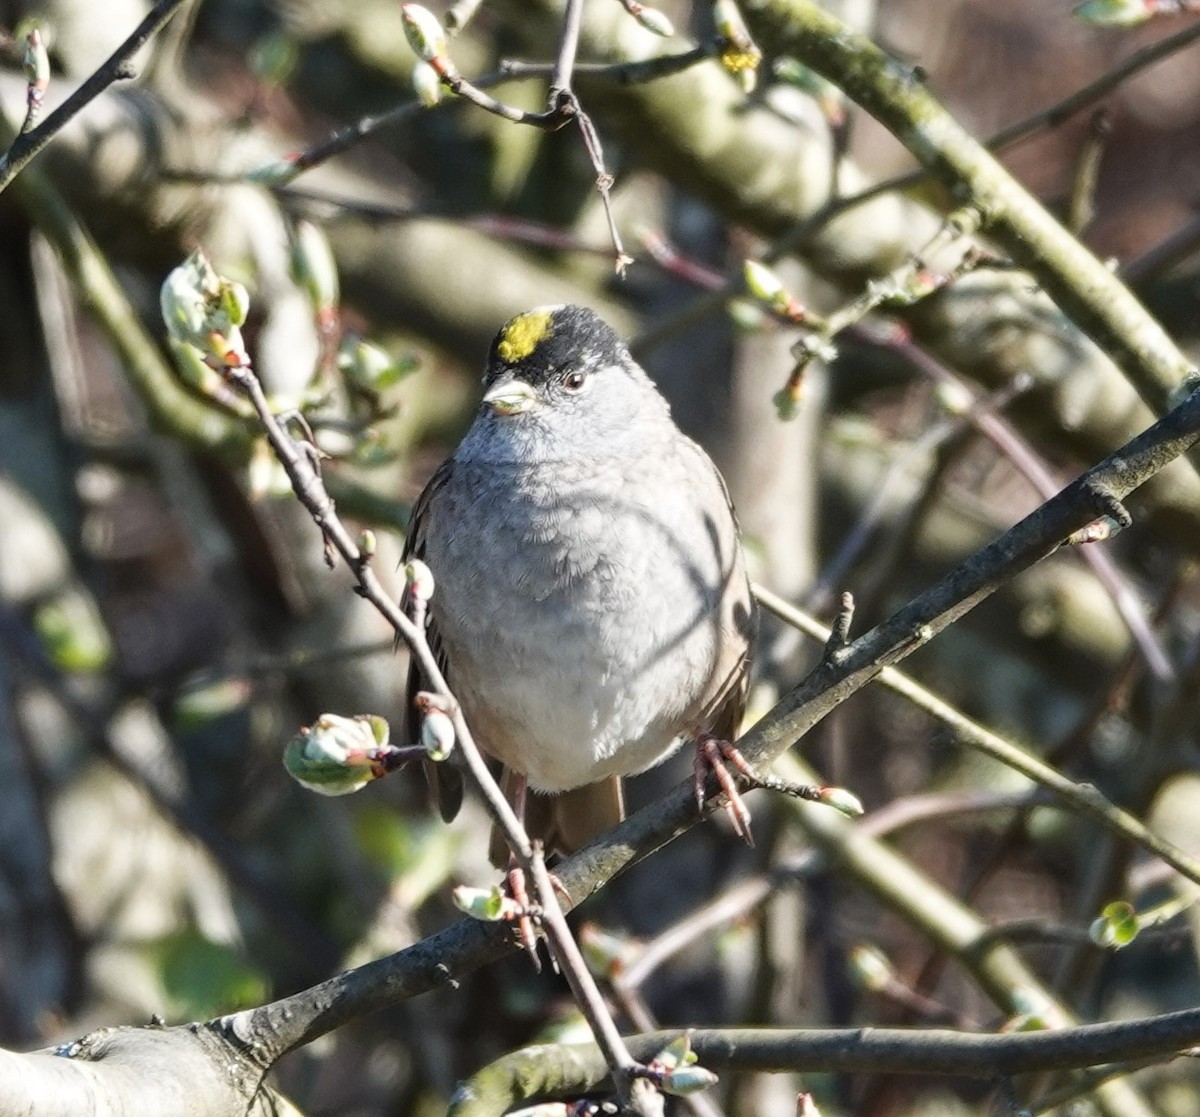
x: 715, y: 755
x: 526, y: 931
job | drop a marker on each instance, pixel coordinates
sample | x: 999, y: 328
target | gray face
x: 578, y: 398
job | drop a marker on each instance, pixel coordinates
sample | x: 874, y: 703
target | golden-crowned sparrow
x: 592, y: 606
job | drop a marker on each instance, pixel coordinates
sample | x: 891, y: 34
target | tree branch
x: 1103, y: 307
x: 118, y: 67
x: 571, y: 1069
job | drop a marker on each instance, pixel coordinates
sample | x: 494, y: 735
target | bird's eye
x: 575, y: 381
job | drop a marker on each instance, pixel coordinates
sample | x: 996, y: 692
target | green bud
x: 487, y: 904
x: 768, y: 288
x: 1114, y: 13
x: 653, y: 20
x: 367, y: 543
x: 371, y: 367
x: 73, y: 633
x: 763, y: 283
x: 36, y: 62
x: 841, y: 800
x: 688, y: 1080
x: 1117, y: 926
x: 202, y: 309
x: 427, y: 85
x: 337, y: 755
x: 787, y: 402
x: 437, y: 735
x: 425, y: 35
x: 234, y: 301
x: 677, y: 1053
x: 192, y: 369
x: 419, y: 580
x: 313, y: 265
x: 205, y: 380
x: 605, y: 953
x: 195, y: 708
x: 869, y: 968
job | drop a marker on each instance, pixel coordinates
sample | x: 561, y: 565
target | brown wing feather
x: 728, y: 704
x: 566, y: 821
x: 445, y: 781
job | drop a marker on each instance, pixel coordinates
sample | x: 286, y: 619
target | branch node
x: 839, y: 634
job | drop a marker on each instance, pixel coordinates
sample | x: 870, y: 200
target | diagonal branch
x: 118, y: 67
x: 439, y: 959
x: 1103, y: 307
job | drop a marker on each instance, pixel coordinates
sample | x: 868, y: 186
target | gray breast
x: 580, y: 614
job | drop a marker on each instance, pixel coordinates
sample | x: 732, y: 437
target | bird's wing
x: 727, y: 703
x: 565, y: 821
x: 445, y: 781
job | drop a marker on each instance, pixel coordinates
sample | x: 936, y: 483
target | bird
x: 592, y: 608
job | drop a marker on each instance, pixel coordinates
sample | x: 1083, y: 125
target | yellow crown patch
x: 523, y: 335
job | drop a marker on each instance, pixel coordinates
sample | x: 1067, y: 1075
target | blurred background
x: 167, y: 621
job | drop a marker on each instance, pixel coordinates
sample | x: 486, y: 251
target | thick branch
x: 263, y: 1034
x: 571, y: 1069
x: 1087, y: 291
x: 437, y: 961
x: 127, y: 1072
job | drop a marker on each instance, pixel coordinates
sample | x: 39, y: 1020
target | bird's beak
x: 510, y: 397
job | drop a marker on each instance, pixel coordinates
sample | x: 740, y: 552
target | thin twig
x: 460, y: 15
x: 1012, y: 134
x: 497, y: 225
x: 749, y: 894
x: 623, y: 73
x: 997, y: 430
x: 1098, y: 304
x: 1084, y: 797
x: 568, y: 47
x: 350, y: 135
x: 117, y: 67
x: 310, y: 490
x: 904, y: 1050
x: 439, y: 959
x: 604, y: 182
x: 550, y: 120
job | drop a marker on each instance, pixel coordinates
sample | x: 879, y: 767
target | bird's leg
x: 514, y: 884
x: 514, y: 880
x: 716, y: 756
